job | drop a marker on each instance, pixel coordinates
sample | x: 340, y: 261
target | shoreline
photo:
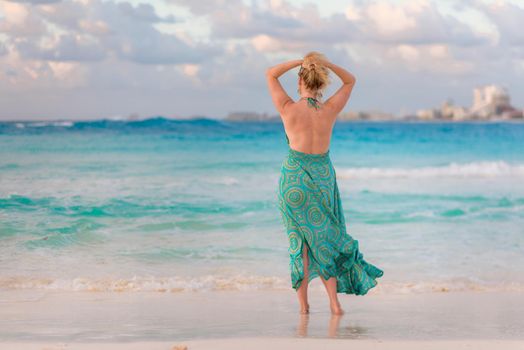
x: 269, y: 121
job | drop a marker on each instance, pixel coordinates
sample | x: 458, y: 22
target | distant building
x: 450, y: 111
x: 489, y: 100
x: 351, y: 115
x: 368, y: 115
x: 428, y: 114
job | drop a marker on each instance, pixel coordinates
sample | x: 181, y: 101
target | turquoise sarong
x: 311, y: 210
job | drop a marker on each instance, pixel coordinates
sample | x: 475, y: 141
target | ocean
x: 176, y: 206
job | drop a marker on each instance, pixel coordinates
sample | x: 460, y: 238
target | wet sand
x: 227, y: 320
x: 281, y: 343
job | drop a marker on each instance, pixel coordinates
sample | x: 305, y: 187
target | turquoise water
x: 164, y: 205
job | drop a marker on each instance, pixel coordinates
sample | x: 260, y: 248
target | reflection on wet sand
x: 334, y: 330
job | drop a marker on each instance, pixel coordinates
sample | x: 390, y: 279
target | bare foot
x: 336, y: 309
x: 304, y: 309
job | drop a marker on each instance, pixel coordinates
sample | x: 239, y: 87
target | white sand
x: 279, y: 343
x: 259, y: 320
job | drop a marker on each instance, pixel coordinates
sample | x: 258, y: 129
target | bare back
x: 308, y: 129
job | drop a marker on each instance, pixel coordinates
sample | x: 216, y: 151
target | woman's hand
x: 304, y: 63
x: 317, y: 60
x: 324, y: 62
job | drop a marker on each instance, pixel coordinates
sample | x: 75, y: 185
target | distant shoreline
x: 272, y: 120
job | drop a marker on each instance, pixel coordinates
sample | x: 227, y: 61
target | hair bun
x: 313, y: 72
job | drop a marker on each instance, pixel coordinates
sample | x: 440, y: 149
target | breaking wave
x: 240, y: 282
x: 466, y: 170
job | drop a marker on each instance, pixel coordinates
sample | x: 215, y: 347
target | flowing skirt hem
x: 354, y: 275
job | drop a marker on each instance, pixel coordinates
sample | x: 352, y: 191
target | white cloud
x: 134, y: 57
x: 18, y: 20
x: 93, y: 29
x: 71, y: 74
x: 406, y: 52
x: 508, y: 19
x: 390, y: 19
x: 353, y: 13
x: 435, y: 58
x: 191, y: 69
x: 417, y: 22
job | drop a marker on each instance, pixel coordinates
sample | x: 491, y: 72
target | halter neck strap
x: 311, y: 101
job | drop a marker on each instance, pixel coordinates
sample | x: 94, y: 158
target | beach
x: 278, y: 343
x: 148, y: 234
x: 233, y: 319
x: 164, y: 165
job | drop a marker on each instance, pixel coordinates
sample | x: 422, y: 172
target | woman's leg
x: 331, y: 288
x: 302, y: 290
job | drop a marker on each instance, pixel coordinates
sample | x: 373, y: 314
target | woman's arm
x: 338, y: 101
x: 279, y: 69
x: 278, y: 94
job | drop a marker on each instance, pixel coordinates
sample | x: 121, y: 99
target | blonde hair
x: 314, y: 74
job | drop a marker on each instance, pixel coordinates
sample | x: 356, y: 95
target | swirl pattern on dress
x: 311, y: 211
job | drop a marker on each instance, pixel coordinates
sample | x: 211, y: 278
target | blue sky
x: 84, y: 59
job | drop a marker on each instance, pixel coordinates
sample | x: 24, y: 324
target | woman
x: 308, y: 195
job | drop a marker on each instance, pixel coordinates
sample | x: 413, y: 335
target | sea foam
x: 239, y: 282
x: 453, y: 169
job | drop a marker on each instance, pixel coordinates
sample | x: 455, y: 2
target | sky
x: 90, y: 59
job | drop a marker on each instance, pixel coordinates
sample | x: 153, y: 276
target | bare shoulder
x: 296, y: 114
x: 290, y: 111
x: 330, y: 111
